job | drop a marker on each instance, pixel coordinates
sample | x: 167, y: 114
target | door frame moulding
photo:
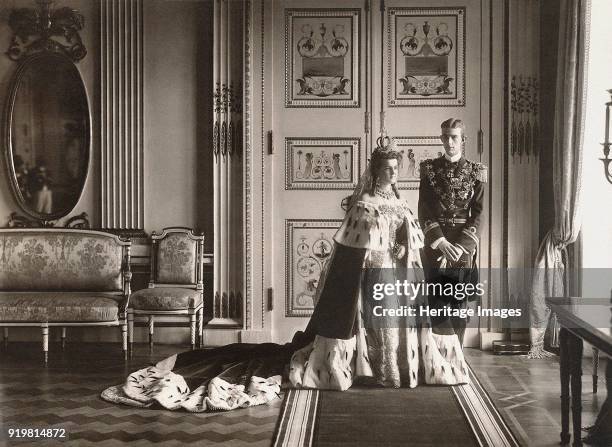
x: 493, y: 157
x: 256, y: 122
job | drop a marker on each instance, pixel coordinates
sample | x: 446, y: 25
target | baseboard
x: 220, y: 337
x: 470, y: 338
x: 520, y: 336
x: 487, y: 339
x: 255, y: 337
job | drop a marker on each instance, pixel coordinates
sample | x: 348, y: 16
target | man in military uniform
x: 450, y: 206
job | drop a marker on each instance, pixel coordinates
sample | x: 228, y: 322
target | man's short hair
x: 453, y: 123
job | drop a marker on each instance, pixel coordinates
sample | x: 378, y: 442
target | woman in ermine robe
x: 377, y: 243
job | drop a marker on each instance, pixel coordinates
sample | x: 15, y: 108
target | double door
x: 340, y: 69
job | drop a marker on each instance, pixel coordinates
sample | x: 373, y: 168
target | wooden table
x: 580, y: 319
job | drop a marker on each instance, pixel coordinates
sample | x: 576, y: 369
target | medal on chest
x: 453, y: 183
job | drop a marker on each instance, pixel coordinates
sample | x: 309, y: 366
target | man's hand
x: 449, y: 250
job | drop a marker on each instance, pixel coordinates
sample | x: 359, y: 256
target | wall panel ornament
x: 426, y: 57
x: 414, y: 150
x: 322, y: 57
x: 321, y: 163
x: 227, y: 132
x: 525, y: 130
x: 308, y: 244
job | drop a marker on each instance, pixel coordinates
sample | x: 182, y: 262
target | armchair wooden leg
x: 201, y: 327
x: 63, y: 338
x: 45, y: 342
x: 130, y: 319
x: 124, y: 339
x: 151, y: 330
x: 192, y: 323
x: 595, y: 368
x: 6, y: 336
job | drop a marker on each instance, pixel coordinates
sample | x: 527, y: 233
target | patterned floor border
x: 297, y: 419
x: 485, y: 420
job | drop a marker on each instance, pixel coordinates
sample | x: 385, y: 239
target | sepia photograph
x: 306, y: 223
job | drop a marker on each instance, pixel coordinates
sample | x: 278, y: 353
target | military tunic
x: 450, y: 206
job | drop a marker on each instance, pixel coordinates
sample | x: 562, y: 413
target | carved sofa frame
x: 63, y: 277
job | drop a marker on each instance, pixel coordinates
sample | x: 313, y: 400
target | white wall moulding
x: 122, y: 149
x: 228, y: 175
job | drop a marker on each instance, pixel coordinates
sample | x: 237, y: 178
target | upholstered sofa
x: 63, y: 277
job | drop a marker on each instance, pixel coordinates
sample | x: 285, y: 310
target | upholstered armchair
x: 175, y: 294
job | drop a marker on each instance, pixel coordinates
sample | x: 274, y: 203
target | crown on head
x: 385, y: 149
x: 384, y: 144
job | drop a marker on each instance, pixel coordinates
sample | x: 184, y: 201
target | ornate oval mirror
x: 48, y: 135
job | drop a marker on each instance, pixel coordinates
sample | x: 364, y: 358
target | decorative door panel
x: 425, y: 56
x: 309, y: 244
x: 318, y: 142
x: 321, y: 56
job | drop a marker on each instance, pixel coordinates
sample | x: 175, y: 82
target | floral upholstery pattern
x: 165, y: 298
x: 176, y: 259
x: 60, y: 261
x: 57, y: 306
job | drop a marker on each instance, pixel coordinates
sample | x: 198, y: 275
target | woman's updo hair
x: 376, y: 160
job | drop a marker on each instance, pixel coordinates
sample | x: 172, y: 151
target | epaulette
x: 480, y: 172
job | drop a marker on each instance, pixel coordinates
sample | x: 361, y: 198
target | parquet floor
x: 526, y: 393
x: 66, y: 395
